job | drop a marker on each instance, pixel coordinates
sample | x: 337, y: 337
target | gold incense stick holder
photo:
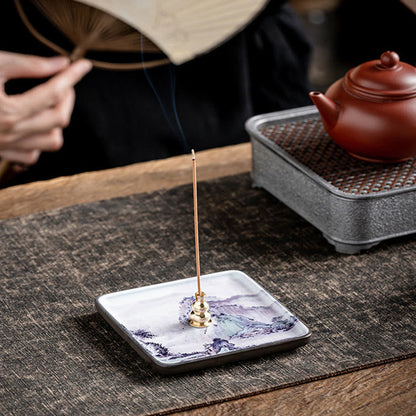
x: 200, y: 316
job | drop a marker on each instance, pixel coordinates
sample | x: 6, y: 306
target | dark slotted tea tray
x: 355, y: 204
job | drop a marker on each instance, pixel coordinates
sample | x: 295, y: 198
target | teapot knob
x: 389, y: 59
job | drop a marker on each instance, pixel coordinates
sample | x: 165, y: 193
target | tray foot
x: 344, y: 248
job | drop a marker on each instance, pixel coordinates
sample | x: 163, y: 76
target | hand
x: 32, y: 122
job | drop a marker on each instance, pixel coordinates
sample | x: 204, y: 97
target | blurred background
x: 346, y: 33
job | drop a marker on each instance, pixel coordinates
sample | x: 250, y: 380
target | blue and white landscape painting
x: 244, y: 316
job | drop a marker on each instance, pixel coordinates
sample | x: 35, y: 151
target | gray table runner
x: 61, y: 357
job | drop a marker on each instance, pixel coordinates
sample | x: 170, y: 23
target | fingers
x: 24, y: 157
x: 21, y: 135
x: 30, y: 148
x: 32, y: 122
x: 47, y: 142
x: 51, y: 92
x: 17, y: 111
x: 58, y: 116
x: 14, y: 65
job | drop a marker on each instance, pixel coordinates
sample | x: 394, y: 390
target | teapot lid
x: 382, y: 80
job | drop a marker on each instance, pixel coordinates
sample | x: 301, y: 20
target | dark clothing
x: 118, y: 120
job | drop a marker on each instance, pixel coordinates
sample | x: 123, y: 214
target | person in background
x: 123, y: 117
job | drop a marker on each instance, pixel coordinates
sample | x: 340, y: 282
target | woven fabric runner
x: 61, y: 357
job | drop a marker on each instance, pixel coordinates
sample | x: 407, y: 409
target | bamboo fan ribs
x: 180, y: 29
x: 90, y: 29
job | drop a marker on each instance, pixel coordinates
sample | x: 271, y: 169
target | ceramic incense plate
x: 247, y: 322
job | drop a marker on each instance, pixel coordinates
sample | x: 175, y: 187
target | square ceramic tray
x: 355, y: 204
x: 247, y: 322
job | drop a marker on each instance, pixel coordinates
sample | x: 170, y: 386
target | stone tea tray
x: 355, y: 204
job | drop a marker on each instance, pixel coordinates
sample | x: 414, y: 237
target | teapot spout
x: 328, y: 109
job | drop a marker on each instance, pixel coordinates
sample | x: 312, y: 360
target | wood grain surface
x: 141, y: 177
x: 388, y: 389
x: 385, y: 390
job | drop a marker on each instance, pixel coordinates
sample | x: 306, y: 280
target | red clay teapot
x: 371, y: 112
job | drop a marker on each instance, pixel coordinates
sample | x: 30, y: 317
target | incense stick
x: 200, y: 316
x: 198, y: 271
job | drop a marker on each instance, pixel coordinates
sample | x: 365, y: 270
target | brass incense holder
x: 200, y: 316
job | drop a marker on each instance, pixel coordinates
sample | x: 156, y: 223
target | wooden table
x: 388, y: 389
